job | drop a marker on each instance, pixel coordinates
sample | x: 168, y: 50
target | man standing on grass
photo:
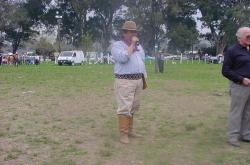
x: 129, y: 72
x: 236, y: 68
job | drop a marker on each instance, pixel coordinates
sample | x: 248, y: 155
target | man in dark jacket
x: 236, y: 68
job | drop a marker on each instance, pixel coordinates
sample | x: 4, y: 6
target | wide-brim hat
x: 129, y: 25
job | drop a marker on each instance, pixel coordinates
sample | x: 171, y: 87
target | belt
x: 136, y: 76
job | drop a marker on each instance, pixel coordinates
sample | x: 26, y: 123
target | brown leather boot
x: 131, y: 131
x: 124, y: 128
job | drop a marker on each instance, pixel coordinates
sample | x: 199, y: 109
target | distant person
x: 161, y: 61
x: 129, y: 73
x: 236, y: 67
x: 4, y: 60
x: 37, y: 60
x: 105, y: 59
x: 16, y: 59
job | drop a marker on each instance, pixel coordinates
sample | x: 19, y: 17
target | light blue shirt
x: 128, y: 64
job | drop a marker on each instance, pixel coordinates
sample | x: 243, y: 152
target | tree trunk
x: 15, y: 45
x: 220, y: 41
x: 220, y: 45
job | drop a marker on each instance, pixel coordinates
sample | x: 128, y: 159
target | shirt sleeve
x: 119, y: 53
x: 227, y: 68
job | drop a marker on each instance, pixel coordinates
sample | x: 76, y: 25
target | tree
x: 19, y: 27
x: 5, y: 11
x: 148, y: 16
x: 181, y: 38
x: 74, y: 19
x: 181, y: 26
x: 87, y: 42
x: 22, y: 18
x: 44, y: 48
x: 101, y: 24
x: 223, y: 18
x: 4, y: 14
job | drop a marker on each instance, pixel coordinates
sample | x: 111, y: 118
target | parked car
x: 71, y: 57
x: 213, y: 59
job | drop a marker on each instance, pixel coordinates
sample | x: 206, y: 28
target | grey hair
x: 241, y: 31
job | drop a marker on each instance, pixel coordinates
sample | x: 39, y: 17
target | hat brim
x: 130, y: 29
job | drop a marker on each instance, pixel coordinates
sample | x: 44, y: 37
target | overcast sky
x: 203, y: 30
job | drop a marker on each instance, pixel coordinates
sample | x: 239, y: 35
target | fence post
x: 181, y: 59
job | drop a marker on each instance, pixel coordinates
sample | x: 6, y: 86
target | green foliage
x: 101, y: 24
x: 223, y: 18
x: 87, y: 42
x: 4, y: 13
x: 43, y: 47
x: 22, y: 16
x: 182, y: 32
x: 149, y: 17
x: 169, y: 22
x: 74, y: 19
x: 181, y: 38
x: 19, y: 28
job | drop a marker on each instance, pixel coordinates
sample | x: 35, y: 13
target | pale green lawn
x: 63, y: 115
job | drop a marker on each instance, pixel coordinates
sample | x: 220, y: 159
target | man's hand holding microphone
x: 133, y: 47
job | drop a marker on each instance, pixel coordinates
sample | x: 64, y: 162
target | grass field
x: 63, y: 115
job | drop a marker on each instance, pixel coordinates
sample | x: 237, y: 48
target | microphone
x: 136, y: 45
x: 136, y: 41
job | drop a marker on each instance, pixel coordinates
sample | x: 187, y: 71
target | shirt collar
x: 242, y: 47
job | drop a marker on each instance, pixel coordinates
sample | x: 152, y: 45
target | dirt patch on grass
x: 82, y: 128
x: 50, y: 125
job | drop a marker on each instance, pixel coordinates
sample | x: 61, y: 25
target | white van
x: 71, y: 57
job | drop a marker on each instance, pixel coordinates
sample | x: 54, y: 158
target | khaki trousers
x: 128, y: 94
x: 239, y: 116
